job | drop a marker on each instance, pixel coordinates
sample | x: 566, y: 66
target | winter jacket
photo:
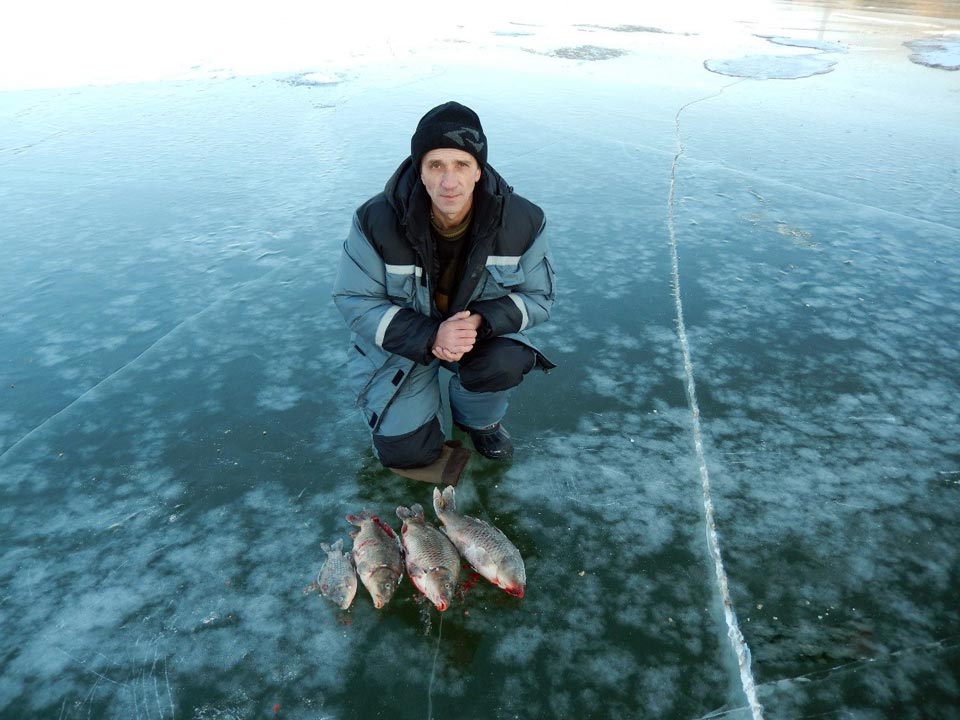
x: 385, y: 284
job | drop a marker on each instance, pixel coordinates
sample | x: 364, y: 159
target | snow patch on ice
x: 772, y: 67
x: 586, y: 52
x: 279, y: 398
x: 937, y: 51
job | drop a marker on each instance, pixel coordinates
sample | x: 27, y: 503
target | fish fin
x: 383, y: 526
x: 450, y: 498
x: 403, y: 512
x: 417, y: 510
x: 478, y: 557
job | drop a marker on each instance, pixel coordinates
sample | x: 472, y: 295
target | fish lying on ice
x: 484, y: 546
x: 433, y: 563
x: 376, y: 554
x: 338, y: 576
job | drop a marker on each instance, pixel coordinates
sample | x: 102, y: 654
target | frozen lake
x: 755, y: 222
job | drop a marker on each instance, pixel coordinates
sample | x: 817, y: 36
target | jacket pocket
x: 503, y: 273
x: 401, y: 282
x: 506, y: 272
x: 361, y: 369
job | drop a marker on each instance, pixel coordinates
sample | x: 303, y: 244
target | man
x: 446, y: 267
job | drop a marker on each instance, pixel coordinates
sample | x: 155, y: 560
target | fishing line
x: 433, y: 671
x: 713, y: 541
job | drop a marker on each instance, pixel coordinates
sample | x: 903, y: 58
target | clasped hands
x: 456, y: 336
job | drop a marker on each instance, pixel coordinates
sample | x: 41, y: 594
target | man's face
x: 450, y: 177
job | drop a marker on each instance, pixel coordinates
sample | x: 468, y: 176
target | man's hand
x: 456, y: 336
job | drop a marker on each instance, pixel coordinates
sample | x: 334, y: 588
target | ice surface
x: 823, y: 45
x: 175, y: 441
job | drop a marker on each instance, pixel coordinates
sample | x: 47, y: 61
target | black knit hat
x: 450, y: 125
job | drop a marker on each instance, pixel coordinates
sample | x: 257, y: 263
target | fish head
x: 512, y: 577
x: 439, y: 587
x: 515, y: 590
x: 343, y: 596
x: 339, y: 589
x: 382, y: 586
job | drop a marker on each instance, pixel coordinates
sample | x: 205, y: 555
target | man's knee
x: 413, y: 449
x: 495, y: 365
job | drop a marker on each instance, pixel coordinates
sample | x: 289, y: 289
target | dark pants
x: 479, y: 389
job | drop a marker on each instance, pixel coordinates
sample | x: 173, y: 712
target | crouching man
x: 446, y: 267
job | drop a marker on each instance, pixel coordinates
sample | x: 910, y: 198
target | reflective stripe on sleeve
x: 508, y: 260
x: 518, y: 301
x: 384, y: 323
x: 404, y: 270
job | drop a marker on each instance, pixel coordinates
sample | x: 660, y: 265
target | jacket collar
x: 409, y: 199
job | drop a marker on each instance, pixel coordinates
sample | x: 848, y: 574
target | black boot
x: 492, y: 442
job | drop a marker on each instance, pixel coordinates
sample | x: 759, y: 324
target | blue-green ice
x: 737, y: 496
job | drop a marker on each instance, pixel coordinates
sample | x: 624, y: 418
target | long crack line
x: 433, y: 670
x: 713, y: 541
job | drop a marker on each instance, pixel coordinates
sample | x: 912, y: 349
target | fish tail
x: 337, y: 546
x: 359, y: 517
x: 326, y: 548
x: 444, y: 502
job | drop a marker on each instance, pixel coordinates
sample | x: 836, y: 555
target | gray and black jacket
x: 385, y: 283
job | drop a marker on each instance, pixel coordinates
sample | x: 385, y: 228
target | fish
x: 433, y: 563
x: 376, y: 555
x: 338, y: 577
x: 485, y: 547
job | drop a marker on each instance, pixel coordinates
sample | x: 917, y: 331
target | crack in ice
x: 100, y: 676
x: 721, y: 713
x: 183, y: 323
x: 109, y: 377
x: 713, y: 541
x: 818, y: 193
x: 433, y: 671
x: 947, y: 643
